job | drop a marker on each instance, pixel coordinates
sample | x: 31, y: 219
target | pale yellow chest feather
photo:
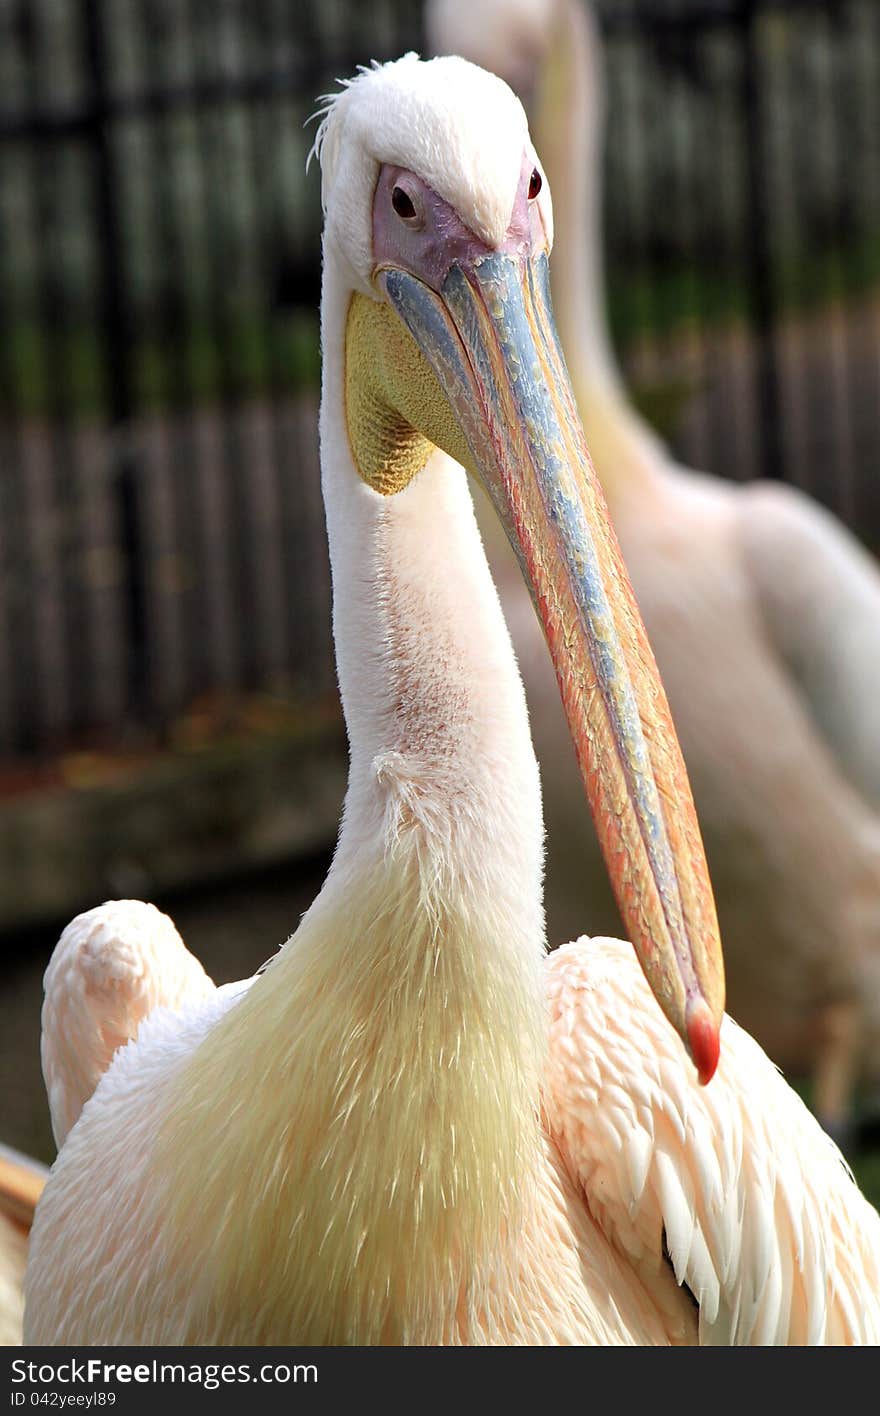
x: 353, y: 1142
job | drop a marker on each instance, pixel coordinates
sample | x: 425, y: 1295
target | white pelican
x: 413, y: 1127
x: 762, y: 610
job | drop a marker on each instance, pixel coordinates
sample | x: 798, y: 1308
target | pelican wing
x: 818, y: 594
x: 734, y: 1186
x: 111, y: 968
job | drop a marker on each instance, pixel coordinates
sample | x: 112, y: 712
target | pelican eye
x: 535, y: 184
x: 403, y: 204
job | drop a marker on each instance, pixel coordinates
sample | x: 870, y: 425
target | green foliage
x: 656, y: 300
x: 67, y: 372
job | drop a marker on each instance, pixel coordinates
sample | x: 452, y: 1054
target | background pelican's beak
x: 488, y: 334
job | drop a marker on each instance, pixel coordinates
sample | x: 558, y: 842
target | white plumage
x: 770, y: 1245
x: 111, y: 968
x: 412, y: 1127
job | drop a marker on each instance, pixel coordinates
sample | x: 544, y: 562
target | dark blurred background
x: 168, y: 720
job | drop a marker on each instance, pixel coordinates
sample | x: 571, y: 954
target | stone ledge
x: 180, y: 819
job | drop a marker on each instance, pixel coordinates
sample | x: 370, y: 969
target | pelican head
x: 438, y: 209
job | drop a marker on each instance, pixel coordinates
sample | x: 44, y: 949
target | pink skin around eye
x: 438, y: 238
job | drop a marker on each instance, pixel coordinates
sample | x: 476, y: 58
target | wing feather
x: 761, y: 1217
x: 111, y: 968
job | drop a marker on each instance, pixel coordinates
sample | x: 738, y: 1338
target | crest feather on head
x: 459, y: 128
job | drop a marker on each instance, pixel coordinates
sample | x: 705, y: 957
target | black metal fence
x: 161, y: 535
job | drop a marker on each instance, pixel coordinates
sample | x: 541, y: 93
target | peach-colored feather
x: 774, y: 1248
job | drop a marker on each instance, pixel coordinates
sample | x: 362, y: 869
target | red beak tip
x: 704, y: 1039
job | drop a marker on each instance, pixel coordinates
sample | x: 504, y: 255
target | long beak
x: 490, y: 338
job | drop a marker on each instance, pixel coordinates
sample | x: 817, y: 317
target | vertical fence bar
x: 626, y: 237
x: 116, y: 334
x: 49, y: 466
x: 16, y: 554
x: 305, y: 566
x: 762, y: 299
x: 868, y: 87
x: 730, y: 427
x: 284, y: 571
x: 837, y: 117
x: 689, y: 333
x: 176, y: 391
x: 254, y: 483
x: 842, y: 133
x: 215, y: 180
x: 813, y: 333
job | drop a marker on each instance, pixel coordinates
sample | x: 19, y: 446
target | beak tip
x: 704, y: 1039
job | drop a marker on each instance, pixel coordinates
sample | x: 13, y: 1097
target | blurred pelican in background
x: 763, y: 612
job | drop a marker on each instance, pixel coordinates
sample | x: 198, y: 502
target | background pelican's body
x: 764, y: 615
x: 404, y: 1129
